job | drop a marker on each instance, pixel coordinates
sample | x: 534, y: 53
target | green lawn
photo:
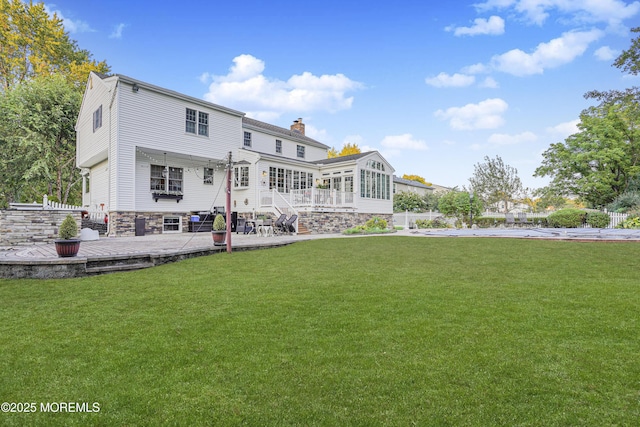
x: 386, y: 330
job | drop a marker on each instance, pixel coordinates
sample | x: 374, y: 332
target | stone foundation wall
x: 124, y: 223
x: 337, y: 222
x: 31, y: 227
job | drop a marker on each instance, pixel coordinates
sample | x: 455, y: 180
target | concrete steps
x: 112, y: 264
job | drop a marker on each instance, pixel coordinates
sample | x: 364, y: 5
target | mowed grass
x: 393, y: 331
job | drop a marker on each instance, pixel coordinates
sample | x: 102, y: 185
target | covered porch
x: 309, y: 199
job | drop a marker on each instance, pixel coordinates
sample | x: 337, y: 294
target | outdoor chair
x: 510, y: 220
x: 288, y: 224
x: 278, y: 226
x: 240, y: 226
x: 522, y: 219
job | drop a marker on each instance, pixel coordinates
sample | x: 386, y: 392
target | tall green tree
x: 37, y: 136
x: 408, y: 201
x: 460, y: 204
x: 494, y: 181
x: 33, y: 43
x: 598, y: 163
x: 602, y: 160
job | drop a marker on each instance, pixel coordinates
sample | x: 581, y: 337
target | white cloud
x: 246, y: 88
x: 605, y: 53
x: 492, y: 26
x: 485, y: 115
x: 563, y: 130
x: 476, y: 69
x: 403, y: 142
x: 556, y: 52
x: 611, y: 12
x: 117, y: 31
x: 72, y: 26
x: 507, y: 139
x: 490, y: 83
x: 446, y: 80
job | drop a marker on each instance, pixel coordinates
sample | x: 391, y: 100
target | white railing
x: 274, y: 200
x: 93, y: 212
x: 321, y: 198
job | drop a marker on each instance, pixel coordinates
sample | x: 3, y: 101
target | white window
x: 97, y: 119
x: 196, y: 120
x: 375, y: 184
x: 247, y: 139
x: 190, y: 126
x: 208, y: 176
x: 284, y: 180
x: 203, y: 124
x: 167, y: 180
x: 241, y: 177
x: 278, y: 146
x: 171, y: 224
x: 348, y: 184
x: 300, y: 151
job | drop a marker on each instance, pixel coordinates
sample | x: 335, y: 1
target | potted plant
x: 219, y: 230
x: 67, y: 245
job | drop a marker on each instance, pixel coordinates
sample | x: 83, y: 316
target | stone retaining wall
x: 124, y: 223
x: 337, y: 222
x: 31, y: 227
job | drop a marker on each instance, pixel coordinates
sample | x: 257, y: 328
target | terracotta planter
x: 219, y: 237
x: 67, y: 248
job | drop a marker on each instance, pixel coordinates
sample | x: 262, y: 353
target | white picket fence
x: 406, y: 218
x: 94, y: 212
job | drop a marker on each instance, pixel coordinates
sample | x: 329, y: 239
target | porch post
x: 228, y: 204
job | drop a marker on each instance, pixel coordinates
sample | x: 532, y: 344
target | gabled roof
x: 169, y: 92
x: 410, y: 182
x: 340, y: 159
x: 278, y: 131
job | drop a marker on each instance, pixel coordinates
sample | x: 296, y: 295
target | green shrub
x: 432, y: 223
x: 219, y: 224
x: 539, y: 222
x: 376, y: 222
x: 625, y: 202
x: 488, y: 222
x: 598, y: 219
x: 632, y: 221
x: 566, y: 218
x: 68, y: 228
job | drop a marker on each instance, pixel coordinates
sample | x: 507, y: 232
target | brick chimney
x: 298, y: 126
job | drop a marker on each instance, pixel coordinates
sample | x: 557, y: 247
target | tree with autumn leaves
x: 42, y: 78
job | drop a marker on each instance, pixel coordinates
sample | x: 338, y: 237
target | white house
x: 150, y: 153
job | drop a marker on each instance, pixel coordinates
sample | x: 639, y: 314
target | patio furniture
x: 288, y: 224
x: 522, y: 219
x: 278, y: 225
x: 510, y: 220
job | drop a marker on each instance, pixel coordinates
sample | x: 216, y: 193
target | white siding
x: 198, y: 196
x: 266, y: 143
x: 371, y: 205
x: 152, y: 120
x: 99, y: 185
x: 92, y: 146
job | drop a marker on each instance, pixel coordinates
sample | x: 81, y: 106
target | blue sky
x: 434, y: 87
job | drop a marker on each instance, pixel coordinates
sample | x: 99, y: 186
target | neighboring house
x: 406, y: 185
x: 150, y: 153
